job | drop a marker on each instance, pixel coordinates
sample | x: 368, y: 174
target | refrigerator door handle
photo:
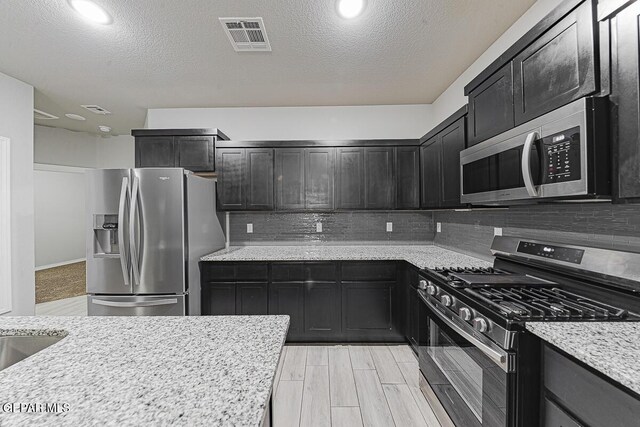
x: 124, y: 259
x: 135, y: 303
x: 132, y: 231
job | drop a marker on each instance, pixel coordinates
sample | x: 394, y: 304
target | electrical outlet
x: 497, y: 231
x: 249, y: 228
x: 389, y: 227
x: 438, y: 227
x: 318, y: 227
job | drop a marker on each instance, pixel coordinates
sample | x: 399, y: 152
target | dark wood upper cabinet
x: 245, y: 178
x: 350, y: 186
x: 290, y: 179
x: 453, y: 142
x: 407, y: 177
x: 430, y: 155
x: 155, y: 151
x: 319, y: 168
x: 195, y: 153
x: 621, y: 30
x: 231, y: 173
x: 259, y: 179
x: 379, y: 177
x: 557, y: 68
x: 491, y: 106
x: 192, y: 149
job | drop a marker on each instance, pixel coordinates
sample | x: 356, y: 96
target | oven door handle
x: 526, y: 165
x: 500, y: 358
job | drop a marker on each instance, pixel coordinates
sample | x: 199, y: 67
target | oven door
x: 471, y: 379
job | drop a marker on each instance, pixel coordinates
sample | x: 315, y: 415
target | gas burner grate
x: 545, y: 303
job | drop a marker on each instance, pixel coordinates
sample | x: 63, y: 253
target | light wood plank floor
x: 350, y: 385
x: 76, y: 306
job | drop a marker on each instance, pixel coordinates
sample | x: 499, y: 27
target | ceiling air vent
x: 96, y: 109
x: 41, y: 115
x: 246, y: 34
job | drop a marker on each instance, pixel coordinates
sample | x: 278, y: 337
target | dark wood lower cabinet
x: 326, y: 301
x: 288, y: 298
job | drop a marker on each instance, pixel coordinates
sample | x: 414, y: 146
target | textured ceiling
x: 168, y: 53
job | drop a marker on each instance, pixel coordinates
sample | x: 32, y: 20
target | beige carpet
x: 61, y: 282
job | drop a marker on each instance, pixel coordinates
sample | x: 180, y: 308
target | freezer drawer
x: 157, y: 305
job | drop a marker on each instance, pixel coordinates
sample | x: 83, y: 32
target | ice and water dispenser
x: 105, y: 236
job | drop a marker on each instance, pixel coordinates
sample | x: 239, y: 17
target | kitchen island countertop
x: 421, y: 256
x: 612, y: 348
x: 213, y: 370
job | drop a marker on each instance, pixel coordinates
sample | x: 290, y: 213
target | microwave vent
x: 246, y: 34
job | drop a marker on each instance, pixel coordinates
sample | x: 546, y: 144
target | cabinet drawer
x: 596, y: 401
x: 252, y: 272
x: 321, y: 272
x: 217, y: 272
x: 369, y: 271
x: 293, y: 272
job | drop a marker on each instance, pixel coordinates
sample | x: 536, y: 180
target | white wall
x: 16, y: 123
x: 453, y: 98
x: 61, y: 158
x: 257, y: 123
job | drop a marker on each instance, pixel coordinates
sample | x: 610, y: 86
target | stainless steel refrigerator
x: 146, y: 231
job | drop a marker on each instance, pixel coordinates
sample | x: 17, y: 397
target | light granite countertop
x: 421, y: 256
x: 195, y: 371
x: 613, y: 348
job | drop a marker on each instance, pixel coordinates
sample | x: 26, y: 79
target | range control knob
x: 465, y: 314
x: 446, y: 300
x: 431, y: 289
x: 480, y: 324
x: 422, y: 284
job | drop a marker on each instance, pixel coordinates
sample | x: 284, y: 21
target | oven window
x: 501, y: 171
x: 472, y: 388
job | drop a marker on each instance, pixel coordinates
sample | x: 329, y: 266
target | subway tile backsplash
x: 595, y: 224
x: 337, y: 227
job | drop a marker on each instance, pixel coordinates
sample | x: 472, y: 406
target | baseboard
x: 60, y: 264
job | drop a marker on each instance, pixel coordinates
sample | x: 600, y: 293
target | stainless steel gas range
x: 475, y: 354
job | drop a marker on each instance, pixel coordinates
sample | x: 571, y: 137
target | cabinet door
x: 219, y: 299
x: 367, y: 310
x: 231, y: 165
x: 319, y: 167
x: 290, y: 178
x: 288, y: 298
x: 251, y: 298
x: 453, y: 141
x: 379, y: 174
x: 195, y: 153
x: 155, y: 152
x: 322, y: 310
x: 625, y: 75
x: 407, y: 177
x: 350, y: 180
x: 491, y: 106
x: 259, y: 179
x: 557, y: 68
x: 431, y: 179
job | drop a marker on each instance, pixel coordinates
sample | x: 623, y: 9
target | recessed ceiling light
x: 104, y: 128
x: 75, y: 116
x: 350, y: 8
x: 91, y: 11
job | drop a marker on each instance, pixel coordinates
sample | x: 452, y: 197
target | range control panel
x: 561, y: 156
x: 559, y: 253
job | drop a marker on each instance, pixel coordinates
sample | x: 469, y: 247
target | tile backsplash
x: 337, y: 227
x: 595, y: 224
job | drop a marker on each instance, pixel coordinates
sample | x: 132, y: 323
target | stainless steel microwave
x: 562, y: 155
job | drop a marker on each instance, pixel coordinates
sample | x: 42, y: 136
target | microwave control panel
x: 561, y: 156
